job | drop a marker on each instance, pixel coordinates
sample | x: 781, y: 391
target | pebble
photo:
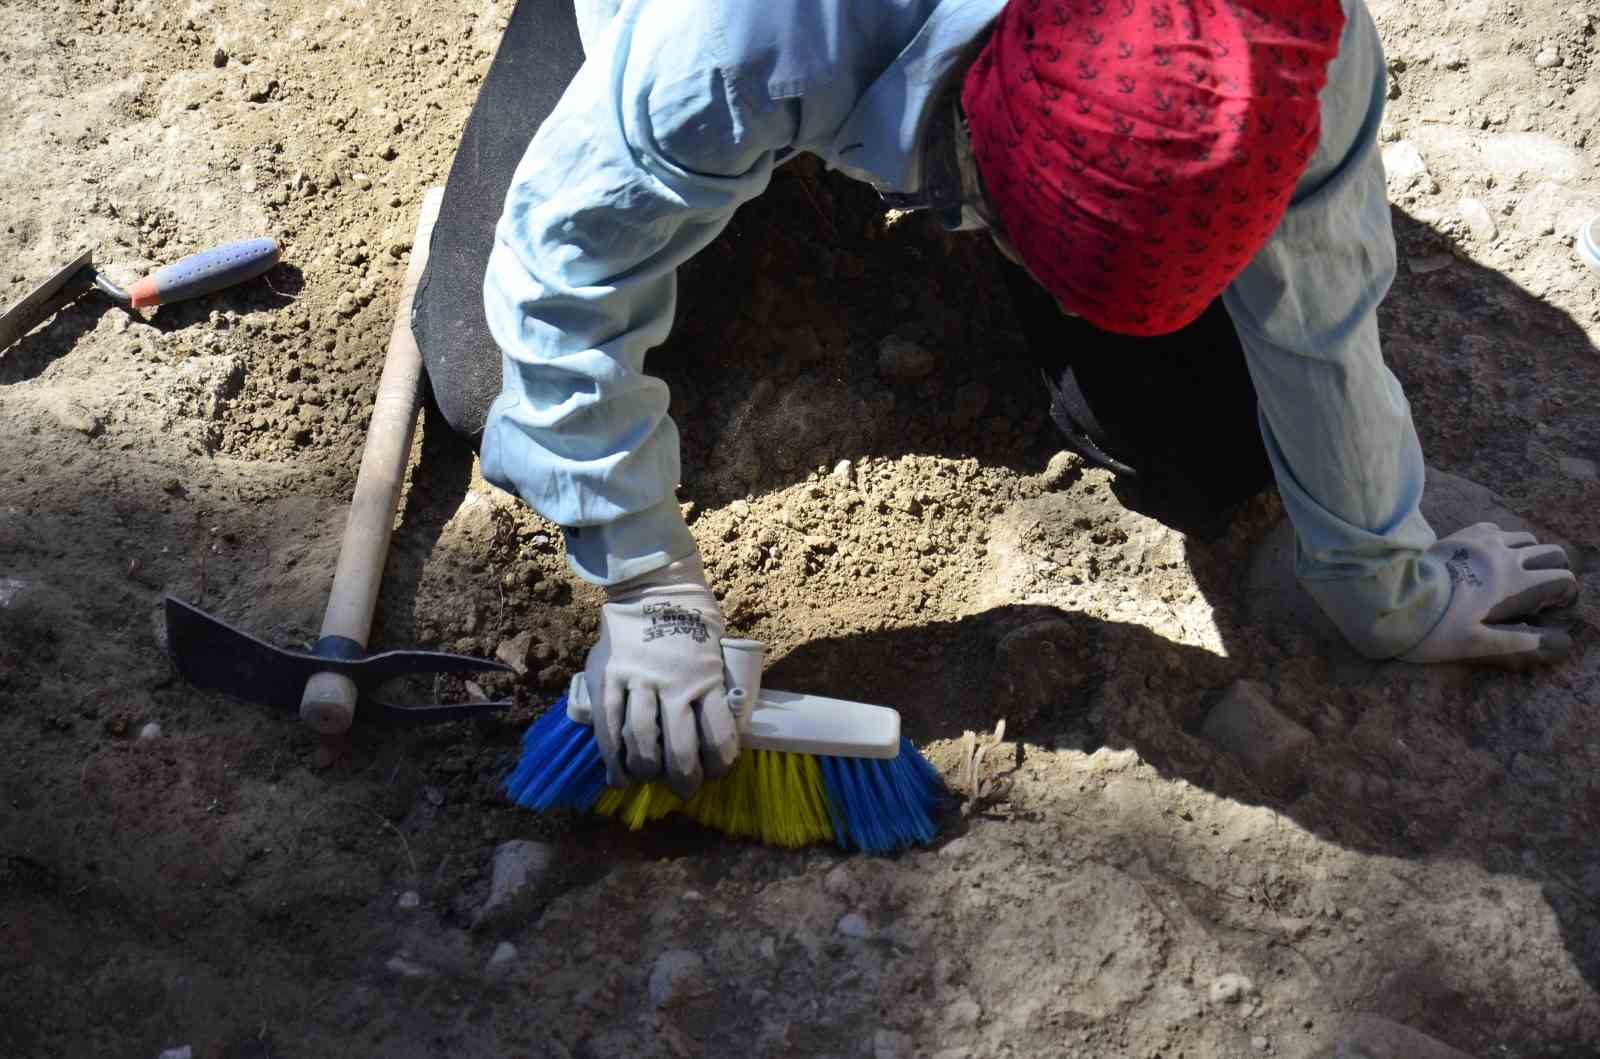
x: 520, y: 866
x: 1403, y: 164
x: 840, y: 882
x: 1579, y: 468
x: 1231, y: 988
x: 678, y: 974
x: 407, y: 968
x: 769, y: 949
x: 500, y: 961
x: 409, y: 901
x: 1478, y: 221
x: 150, y: 731
x: 964, y: 1012
x: 514, y: 652
x: 362, y: 181
x: 1259, y: 1043
x: 219, y: 58
x: 258, y: 87
x: 1246, y: 725
x: 73, y: 416
x: 901, y: 360
x: 853, y: 925
x: 1547, y: 59
x: 1064, y: 468
x: 891, y: 1044
x: 956, y: 847
x: 844, y: 471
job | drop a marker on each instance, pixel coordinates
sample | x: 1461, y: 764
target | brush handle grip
x: 329, y: 702
x: 205, y: 272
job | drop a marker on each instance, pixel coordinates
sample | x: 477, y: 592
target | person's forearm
x: 582, y: 284
x: 1336, y: 423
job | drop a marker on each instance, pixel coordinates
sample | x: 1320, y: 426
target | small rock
x: 844, y: 471
x: 840, y: 882
x: 1403, y: 164
x: 347, y: 304
x: 520, y: 866
x: 1064, y: 468
x: 964, y: 1012
x: 1478, y: 221
x: 1259, y: 1044
x: 1579, y: 468
x: 514, y: 652
x: 150, y: 731
x: 1547, y: 59
x: 956, y: 847
x: 678, y: 975
x: 769, y: 949
x: 388, y: 154
x: 219, y: 57
x: 362, y: 181
x: 1231, y: 988
x: 185, y: 1052
x: 258, y: 86
x: 853, y: 925
x: 406, y: 967
x: 891, y: 1044
x: 901, y: 360
x: 1246, y: 725
x: 500, y: 962
x: 1371, y: 1037
x: 409, y: 901
x: 73, y: 416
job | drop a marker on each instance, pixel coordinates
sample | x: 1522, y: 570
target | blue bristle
x: 560, y: 767
x: 876, y: 806
x: 880, y: 806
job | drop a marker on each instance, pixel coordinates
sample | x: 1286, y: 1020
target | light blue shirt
x: 679, y: 115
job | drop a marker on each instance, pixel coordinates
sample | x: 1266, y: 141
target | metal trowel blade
x: 38, y: 304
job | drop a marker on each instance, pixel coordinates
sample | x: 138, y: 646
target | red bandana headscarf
x: 1139, y: 152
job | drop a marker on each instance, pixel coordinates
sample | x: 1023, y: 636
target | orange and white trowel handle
x: 786, y: 721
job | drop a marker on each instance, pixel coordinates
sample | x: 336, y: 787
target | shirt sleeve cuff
x: 630, y: 546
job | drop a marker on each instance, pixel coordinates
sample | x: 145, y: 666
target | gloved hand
x: 1495, y: 577
x: 654, y: 681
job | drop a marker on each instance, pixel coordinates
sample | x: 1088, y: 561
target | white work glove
x: 1497, y: 577
x: 654, y: 681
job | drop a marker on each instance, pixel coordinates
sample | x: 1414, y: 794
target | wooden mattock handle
x: 329, y: 703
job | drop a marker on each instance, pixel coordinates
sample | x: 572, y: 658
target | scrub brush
x: 810, y: 769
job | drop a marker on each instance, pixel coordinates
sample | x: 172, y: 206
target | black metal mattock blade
x: 213, y: 655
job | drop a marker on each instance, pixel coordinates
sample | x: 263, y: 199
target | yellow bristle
x: 639, y: 805
x: 768, y: 795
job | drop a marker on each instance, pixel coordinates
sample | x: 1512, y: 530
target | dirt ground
x: 1129, y: 889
